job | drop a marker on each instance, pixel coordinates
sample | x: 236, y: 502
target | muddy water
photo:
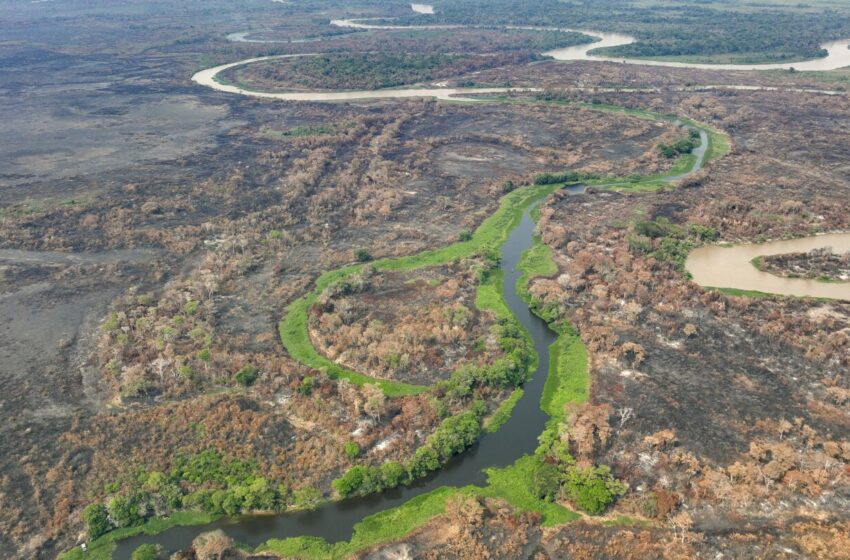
x: 208, y: 78
x: 422, y: 8
x: 334, y: 522
x: 730, y: 267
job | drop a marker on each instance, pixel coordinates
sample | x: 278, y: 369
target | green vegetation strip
x: 489, y: 236
x: 375, y: 529
x: 102, y: 547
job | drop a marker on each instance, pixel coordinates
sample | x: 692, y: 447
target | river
x: 334, y: 522
x: 838, y: 52
x: 518, y: 436
x: 731, y: 267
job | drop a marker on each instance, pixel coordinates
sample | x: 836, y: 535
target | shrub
x: 306, y: 386
x: 362, y: 255
x: 247, y: 375
x: 465, y: 235
x: 423, y: 461
x: 566, y: 177
x: 191, y: 307
x: 307, y: 498
x: 592, y: 489
x: 359, y: 480
x: 97, y: 520
x: 546, y: 482
x: 351, y: 449
x: 149, y: 552
x: 124, y: 511
x: 392, y: 474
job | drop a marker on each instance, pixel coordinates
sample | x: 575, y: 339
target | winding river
x: 838, y: 52
x: 731, y: 267
x: 518, y: 436
x: 334, y: 521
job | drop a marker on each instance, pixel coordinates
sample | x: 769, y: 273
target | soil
x: 821, y: 264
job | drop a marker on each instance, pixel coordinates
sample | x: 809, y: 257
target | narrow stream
x: 335, y: 521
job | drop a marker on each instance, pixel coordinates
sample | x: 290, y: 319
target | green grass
x: 719, y: 143
x: 512, y: 484
x: 535, y: 262
x: 102, y: 547
x: 503, y: 412
x: 488, y: 295
x: 569, y: 375
x: 508, y: 483
x: 491, y: 234
x: 568, y: 380
x: 381, y: 527
x: 741, y: 293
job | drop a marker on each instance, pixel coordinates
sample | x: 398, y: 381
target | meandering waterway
x: 731, y: 267
x: 517, y: 437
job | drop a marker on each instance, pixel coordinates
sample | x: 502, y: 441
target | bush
x: 359, y: 480
x: 592, y: 489
x: 124, y: 511
x: 362, y: 255
x: 392, y: 474
x: 247, y: 375
x: 567, y: 177
x: 307, y: 498
x: 423, y: 461
x: 465, y: 235
x: 351, y: 449
x: 455, y: 434
x: 306, y: 386
x: 546, y: 482
x: 191, y: 307
x: 97, y: 520
x: 149, y: 552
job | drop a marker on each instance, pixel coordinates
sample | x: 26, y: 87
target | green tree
x: 392, y: 474
x: 307, y: 498
x: 546, y: 482
x: 423, y: 461
x: 592, y: 489
x: 97, y: 520
x: 124, y: 511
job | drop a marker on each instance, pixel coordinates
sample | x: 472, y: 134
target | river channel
x: 731, y: 267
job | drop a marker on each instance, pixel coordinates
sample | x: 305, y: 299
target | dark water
x: 335, y: 521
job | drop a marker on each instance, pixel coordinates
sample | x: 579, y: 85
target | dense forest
x: 684, y: 29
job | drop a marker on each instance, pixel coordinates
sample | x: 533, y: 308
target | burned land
x: 152, y: 233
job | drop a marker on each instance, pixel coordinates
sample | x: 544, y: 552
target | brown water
x: 731, y: 267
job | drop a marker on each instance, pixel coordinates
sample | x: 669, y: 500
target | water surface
x: 731, y: 267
